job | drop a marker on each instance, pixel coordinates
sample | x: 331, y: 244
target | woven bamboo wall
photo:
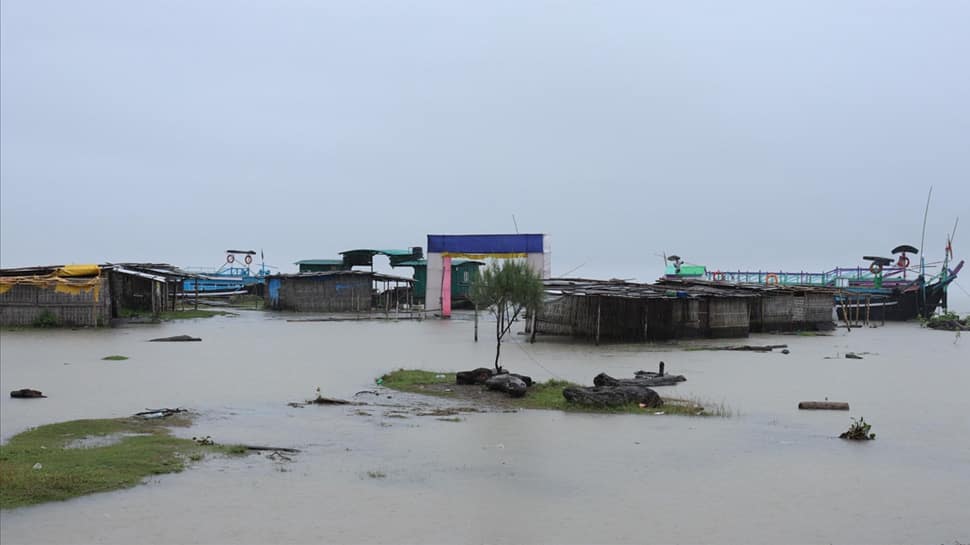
x: 24, y: 305
x: 340, y: 293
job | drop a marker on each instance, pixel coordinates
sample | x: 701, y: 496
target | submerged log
x: 175, y: 339
x: 320, y: 400
x: 262, y: 447
x: 824, y: 405
x: 26, y: 393
x: 746, y: 347
x: 508, y: 383
x: 159, y: 413
x: 613, y: 396
x: 643, y: 378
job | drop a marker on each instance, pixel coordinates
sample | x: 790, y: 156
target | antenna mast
x: 922, y: 255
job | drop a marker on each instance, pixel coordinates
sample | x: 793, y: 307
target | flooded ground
x: 770, y: 474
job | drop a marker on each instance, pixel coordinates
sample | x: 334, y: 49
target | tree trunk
x: 499, y: 315
x: 612, y: 396
x: 643, y: 378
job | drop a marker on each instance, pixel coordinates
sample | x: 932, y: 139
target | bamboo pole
x: 845, y: 311
x: 599, y: 308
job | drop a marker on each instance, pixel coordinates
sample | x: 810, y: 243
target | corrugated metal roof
x: 424, y: 262
x: 320, y: 262
x: 130, y: 272
x: 323, y: 274
x: 392, y: 252
x: 633, y: 290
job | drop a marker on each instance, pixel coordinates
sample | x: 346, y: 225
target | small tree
x: 507, y: 289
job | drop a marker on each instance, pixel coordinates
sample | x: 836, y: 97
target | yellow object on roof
x: 78, y: 270
x: 70, y: 279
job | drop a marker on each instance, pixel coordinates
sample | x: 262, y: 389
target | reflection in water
x: 771, y: 474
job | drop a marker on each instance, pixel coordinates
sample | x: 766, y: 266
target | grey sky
x: 737, y: 134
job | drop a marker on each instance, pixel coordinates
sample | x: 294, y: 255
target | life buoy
x: 718, y: 276
x: 230, y: 258
x: 903, y: 262
x: 248, y: 260
x: 771, y: 278
x: 875, y: 268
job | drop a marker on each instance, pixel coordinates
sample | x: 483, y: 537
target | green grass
x: 545, y: 396
x: 45, y: 319
x: 412, y: 380
x: 253, y: 302
x: 191, y: 313
x: 115, y: 358
x: 940, y: 320
x: 70, y: 472
x: 168, y: 315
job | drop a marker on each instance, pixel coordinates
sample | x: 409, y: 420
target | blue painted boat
x: 889, y: 289
x: 234, y: 277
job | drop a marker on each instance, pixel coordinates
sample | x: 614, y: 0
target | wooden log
x: 824, y: 405
x: 175, y: 339
x: 320, y: 400
x: 278, y: 449
x: 612, y: 396
x: 26, y: 393
x: 475, y: 376
x: 744, y: 348
x: 508, y: 383
x: 643, y: 378
x: 160, y: 413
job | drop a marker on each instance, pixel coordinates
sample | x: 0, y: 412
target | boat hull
x: 894, y: 306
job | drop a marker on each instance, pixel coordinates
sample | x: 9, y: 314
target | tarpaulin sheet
x: 485, y: 245
x: 60, y: 284
x: 79, y: 270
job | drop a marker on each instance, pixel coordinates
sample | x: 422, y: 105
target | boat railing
x: 802, y: 278
x: 222, y: 271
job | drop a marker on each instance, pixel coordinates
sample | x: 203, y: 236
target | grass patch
x: 413, y: 380
x: 254, y: 302
x: 168, y: 315
x: 115, y: 358
x: 140, y: 448
x: 189, y: 314
x: 45, y: 319
x: 542, y: 395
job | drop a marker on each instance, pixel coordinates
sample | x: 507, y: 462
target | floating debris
x: 27, y: 393
x: 175, y: 339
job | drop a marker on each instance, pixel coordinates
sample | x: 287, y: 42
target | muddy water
x: 769, y: 474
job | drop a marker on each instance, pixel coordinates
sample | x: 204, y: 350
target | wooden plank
x: 824, y: 405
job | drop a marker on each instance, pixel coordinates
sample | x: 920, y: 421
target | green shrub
x: 46, y: 319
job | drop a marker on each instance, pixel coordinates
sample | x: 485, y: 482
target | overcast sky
x: 735, y: 134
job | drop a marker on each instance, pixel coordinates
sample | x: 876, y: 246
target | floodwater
x: 768, y: 474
